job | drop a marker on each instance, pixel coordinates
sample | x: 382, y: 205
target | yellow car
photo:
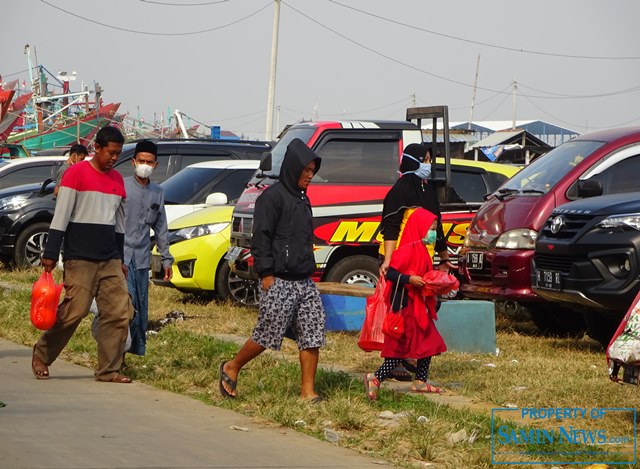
x: 198, y: 243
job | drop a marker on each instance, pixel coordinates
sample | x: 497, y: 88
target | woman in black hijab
x: 411, y: 190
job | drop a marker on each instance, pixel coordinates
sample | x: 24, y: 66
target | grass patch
x: 530, y: 371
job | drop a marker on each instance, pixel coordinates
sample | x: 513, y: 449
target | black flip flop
x: 225, y: 378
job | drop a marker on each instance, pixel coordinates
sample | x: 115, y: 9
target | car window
x: 183, y: 186
x: 189, y: 159
x: 621, y: 177
x: 233, y: 184
x: 125, y: 168
x: 543, y: 174
x: 358, y: 162
x: 469, y: 186
x: 26, y: 175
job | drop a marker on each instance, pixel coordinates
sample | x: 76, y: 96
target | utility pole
x: 515, y: 94
x: 268, y: 135
x: 473, y: 97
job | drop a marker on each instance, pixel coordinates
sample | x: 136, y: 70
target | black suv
x: 588, y: 258
x: 26, y: 211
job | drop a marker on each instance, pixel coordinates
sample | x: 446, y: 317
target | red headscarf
x: 412, y: 258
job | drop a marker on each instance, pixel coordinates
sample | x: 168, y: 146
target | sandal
x: 117, y: 378
x: 421, y: 387
x: 371, y: 386
x: 225, y: 379
x: 38, y: 367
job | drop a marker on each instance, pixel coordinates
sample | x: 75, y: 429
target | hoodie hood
x: 296, y: 158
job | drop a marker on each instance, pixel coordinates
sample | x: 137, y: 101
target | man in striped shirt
x: 89, y: 219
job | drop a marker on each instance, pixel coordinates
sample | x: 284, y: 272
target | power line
x: 622, y: 124
x: 154, y: 33
x: 184, y: 4
x: 486, y: 44
x: 450, y: 80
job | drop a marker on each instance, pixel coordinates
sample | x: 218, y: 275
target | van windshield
x: 541, y: 175
x: 277, y: 154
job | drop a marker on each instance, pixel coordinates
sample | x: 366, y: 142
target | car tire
x: 601, y: 326
x: 30, y: 245
x: 242, y: 291
x: 355, y: 270
x: 221, y: 290
x: 555, y: 320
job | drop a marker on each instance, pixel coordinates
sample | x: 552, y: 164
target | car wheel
x: 242, y: 291
x: 222, y: 288
x: 601, y: 326
x: 556, y: 320
x: 30, y: 245
x: 355, y: 270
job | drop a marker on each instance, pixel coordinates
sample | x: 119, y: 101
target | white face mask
x: 143, y: 170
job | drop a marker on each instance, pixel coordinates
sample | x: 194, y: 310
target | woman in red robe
x: 421, y: 340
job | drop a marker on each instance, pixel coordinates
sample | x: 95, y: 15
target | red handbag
x: 393, y: 325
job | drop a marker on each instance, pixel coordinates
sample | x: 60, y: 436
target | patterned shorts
x: 293, y: 304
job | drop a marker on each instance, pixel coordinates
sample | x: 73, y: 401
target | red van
x: 495, y: 261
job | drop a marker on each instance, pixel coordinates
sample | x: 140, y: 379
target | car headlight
x: 13, y: 202
x: 522, y: 238
x: 200, y: 230
x: 621, y: 221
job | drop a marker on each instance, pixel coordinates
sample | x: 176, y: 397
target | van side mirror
x: 265, y: 162
x: 216, y: 198
x: 589, y: 188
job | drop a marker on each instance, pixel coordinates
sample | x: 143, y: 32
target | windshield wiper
x: 502, y: 193
x: 532, y: 191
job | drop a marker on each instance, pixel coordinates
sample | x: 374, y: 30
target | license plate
x: 631, y: 374
x: 548, y: 279
x: 232, y: 253
x: 156, y: 263
x: 475, y: 260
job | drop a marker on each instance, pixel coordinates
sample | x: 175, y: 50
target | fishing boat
x: 14, y: 116
x: 67, y: 131
x: 55, y: 120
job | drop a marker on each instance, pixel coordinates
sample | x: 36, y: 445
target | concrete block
x: 468, y: 325
x: 465, y: 325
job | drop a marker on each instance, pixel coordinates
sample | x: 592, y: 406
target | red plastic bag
x: 371, y: 335
x: 45, y: 296
x: 439, y: 282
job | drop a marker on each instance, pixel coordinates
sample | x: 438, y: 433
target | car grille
x: 572, y: 226
x: 241, y: 229
x: 554, y: 262
x: 483, y: 274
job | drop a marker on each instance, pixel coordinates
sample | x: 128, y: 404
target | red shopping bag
x: 45, y: 296
x: 438, y: 282
x: 371, y: 335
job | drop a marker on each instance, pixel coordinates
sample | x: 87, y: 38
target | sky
x: 574, y: 63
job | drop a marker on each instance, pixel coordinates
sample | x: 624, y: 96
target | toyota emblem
x: 556, y: 224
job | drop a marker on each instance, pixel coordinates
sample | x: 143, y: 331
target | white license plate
x: 475, y: 260
x: 232, y: 253
x: 549, y: 279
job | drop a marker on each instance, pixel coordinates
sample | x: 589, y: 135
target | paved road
x: 72, y: 422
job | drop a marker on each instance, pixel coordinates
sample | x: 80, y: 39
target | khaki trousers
x: 83, y: 281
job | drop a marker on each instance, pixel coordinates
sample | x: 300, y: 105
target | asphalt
x: 73, y: 422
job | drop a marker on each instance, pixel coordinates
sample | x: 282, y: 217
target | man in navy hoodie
x: 282, y: 248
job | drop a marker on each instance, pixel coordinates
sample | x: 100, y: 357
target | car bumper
x: 195, y: 263
x: 590, y: 275
x: 505, y: 275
